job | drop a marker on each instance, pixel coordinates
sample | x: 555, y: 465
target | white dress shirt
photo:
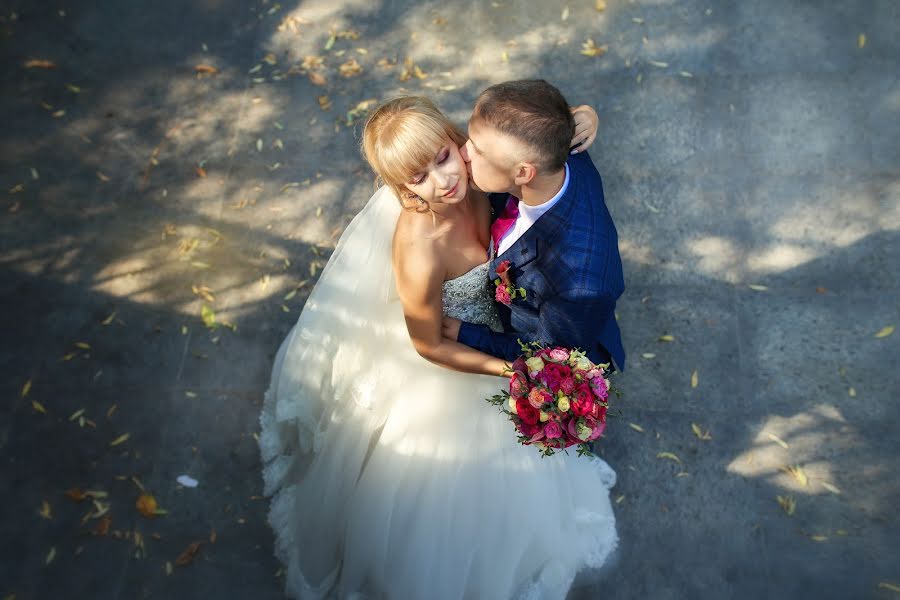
x: 528, y: 215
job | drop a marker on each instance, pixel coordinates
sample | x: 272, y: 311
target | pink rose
x: 567, y: 385
x: 527, y: 413
x: 502, y: 296
x: 518, y: 385
x: 559, y: 354
x: 581, y: 400
x: 600, y: 387
x: 597, y: 430
x: 552, y: 430
x: 537, y: 397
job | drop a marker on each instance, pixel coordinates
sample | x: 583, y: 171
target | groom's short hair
x: 533, y: 112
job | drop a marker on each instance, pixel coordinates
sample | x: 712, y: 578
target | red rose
x: 529, y: 414
x: 528, y: 430
x: 567, y: 385
x: 520, y: 365
x: 503, y: 272
x: 582, y: 400
x: 598, y: 411
x: 553, y: 374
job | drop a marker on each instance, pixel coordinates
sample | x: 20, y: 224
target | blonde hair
x: 402, y: 136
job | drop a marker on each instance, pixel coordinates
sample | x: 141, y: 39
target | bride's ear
x: 525, y: 173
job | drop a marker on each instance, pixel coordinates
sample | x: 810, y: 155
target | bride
x: 391, y: 476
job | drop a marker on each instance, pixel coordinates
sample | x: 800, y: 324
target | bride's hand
x: 586, y: 124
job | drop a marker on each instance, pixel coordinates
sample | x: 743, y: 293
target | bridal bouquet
x: 557, y: 398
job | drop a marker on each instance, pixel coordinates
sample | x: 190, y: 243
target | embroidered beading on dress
x: 470, y: 298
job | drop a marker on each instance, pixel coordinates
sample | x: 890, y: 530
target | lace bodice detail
x: 470, y: 298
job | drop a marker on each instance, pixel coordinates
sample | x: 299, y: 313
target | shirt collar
x: 544, y: 207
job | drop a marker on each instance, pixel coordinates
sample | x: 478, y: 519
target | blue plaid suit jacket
x: 569, y: 265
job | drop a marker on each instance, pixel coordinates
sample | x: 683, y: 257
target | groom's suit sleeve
x: 573, y: 318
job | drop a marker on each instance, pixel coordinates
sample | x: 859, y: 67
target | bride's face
x: 444, y: 179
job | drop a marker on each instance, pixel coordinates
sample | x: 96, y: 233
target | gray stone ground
x: 743, y: 144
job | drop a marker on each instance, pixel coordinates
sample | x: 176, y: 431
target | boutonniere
x: 506, y: 291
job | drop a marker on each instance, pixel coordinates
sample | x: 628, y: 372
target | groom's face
x: 490, y: 156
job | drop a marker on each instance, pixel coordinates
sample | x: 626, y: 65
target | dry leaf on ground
x: 187, y: 557
x: 787, y: 503
x: 590, y: 48
x: 885, y: 331
x: 669, y: 456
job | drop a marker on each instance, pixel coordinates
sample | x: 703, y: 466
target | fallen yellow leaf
x: 778, y: 441
x: 861, y: 41
x: 50, y: 555
x: 703, y: 435
x: 590, y: 48
x: 818, y: 538
x: 787, y: 503
x: 108, y: 319
x: 38, y: 407
x: 885, y: 331
x: 797, y: 473
x: 26, y: 388
x: 636, y: 427
x: 884, y: 585
x: 121, y: 439
x: 695, y: 380
x: 666, y: 338
x: 45, y: 511
x: 600, y: 5
x: 147, y: 506
x: 669, y: 456
x: 757, y: 288
x: 83, y: 345
x: 350, y: 68
x: 831, y: 487
x: 648, y: 355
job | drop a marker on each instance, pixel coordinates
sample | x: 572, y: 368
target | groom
x: 553, y: 235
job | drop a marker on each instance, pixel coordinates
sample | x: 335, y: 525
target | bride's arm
x: 420, y: 277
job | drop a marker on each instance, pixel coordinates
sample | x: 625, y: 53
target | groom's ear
x: 525, y: 173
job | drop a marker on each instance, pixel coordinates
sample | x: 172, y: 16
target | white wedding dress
x: 391, y: 477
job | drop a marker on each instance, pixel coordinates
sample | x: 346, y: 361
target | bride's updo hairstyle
x: 402, y: 136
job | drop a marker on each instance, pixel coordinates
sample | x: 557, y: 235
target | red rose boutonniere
x: 506, y: 291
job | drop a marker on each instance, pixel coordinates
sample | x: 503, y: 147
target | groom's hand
x: 450, y: 328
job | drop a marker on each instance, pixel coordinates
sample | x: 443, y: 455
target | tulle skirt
x: 392, y: 478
